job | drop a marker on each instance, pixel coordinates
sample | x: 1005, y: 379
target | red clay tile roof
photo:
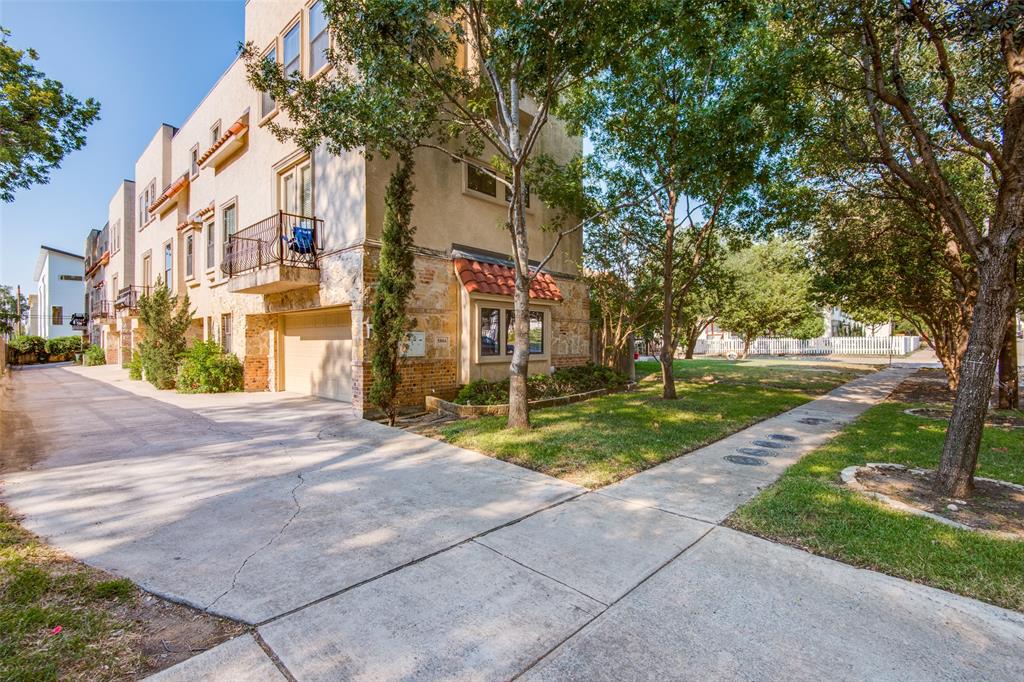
x: 171, y: 190
x: 237, y: 128
x: 488, y: 278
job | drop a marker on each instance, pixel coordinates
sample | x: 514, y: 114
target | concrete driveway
x: 247, y: 505
x: 361, y: 552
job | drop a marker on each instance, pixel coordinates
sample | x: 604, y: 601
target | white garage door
x: 317, y: 349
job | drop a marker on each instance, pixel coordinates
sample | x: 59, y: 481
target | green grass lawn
x: 808, y: 508
x: 41, y: 589
x: 605, y: 439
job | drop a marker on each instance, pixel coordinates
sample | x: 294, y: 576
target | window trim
x: 211, y: 244
x: 308, y: 65
x: 233, y: 201
x: 291, y: 165
x: 264, y: 117
x: 296, y: 22
x: 500, y: 189
x: 168, y: 279
x: 190, y: 256
x: 215, y: 131
x: 479, y: 331
x: 225, y: 332
x: 193, y: 161
x: 479, y: 302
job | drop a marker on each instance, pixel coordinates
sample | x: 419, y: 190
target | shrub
x: 29, y: 345
x: 165, y: 319
x: 565, y: 381
x: 94, y: 356
x: 63, y: 346
x: 135, y: 367
x: 206, y: 368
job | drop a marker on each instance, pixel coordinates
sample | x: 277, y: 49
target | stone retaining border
x: 435, y: 404
x: 849, y: 478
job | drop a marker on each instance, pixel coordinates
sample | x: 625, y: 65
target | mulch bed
x: 992, y: 507
x: 1002, y: 418
x: 927, y: 386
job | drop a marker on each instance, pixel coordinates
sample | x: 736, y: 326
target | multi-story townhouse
x: 277, y: 248
x: 97, y: 296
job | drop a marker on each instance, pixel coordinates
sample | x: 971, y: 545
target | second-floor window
x: 168, y: 265
x: 479, y: 180
x: 57, y: 315
x: 189, y: 257
x: 267, y: 103
x: 194, y: 161
x: 215, y: 133
x: 318, y: 41
x: 292, y: 50
x: 210, y: 246
x: 229, y: 223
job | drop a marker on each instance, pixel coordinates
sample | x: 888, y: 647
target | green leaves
x: 39, y: 123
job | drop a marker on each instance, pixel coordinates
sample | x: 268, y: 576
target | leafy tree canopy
x: 40, y: 124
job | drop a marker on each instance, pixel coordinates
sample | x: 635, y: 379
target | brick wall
x: 259, y: 330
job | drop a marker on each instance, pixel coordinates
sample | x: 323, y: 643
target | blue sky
x: 147, y: 63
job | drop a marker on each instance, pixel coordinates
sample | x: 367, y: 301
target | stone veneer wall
x: 570, y: 325
x: 260, y: 342
x: 435, y: 311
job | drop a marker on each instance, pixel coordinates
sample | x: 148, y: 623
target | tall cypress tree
x: 394, y: 287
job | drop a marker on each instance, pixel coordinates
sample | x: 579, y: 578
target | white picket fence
x: 835, y: 345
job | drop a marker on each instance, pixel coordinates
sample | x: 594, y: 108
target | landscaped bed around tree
x: 608, y: 438
x: 62, y: 620
x: 809, y: 508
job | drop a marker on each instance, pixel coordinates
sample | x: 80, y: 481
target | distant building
x: 60, y: 292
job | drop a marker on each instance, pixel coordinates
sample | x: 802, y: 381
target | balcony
x: 100, y: 310
x: 279, y: 253
x: 127, y: 301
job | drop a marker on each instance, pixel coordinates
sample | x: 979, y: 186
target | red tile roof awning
x: 490, y: 278
x: 237, y: 128
x: 171, y: 190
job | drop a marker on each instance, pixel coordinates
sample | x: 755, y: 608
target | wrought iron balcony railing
x: 99, y: 308
x: 281, y: 239
x: 128, y: 298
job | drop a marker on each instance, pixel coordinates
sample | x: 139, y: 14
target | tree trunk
x: 668, y: 378
x: 1009, y: 380
x: 518, y: 407
x: 963, y: 437
x: 691, y: 345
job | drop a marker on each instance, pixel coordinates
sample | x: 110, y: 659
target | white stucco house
x: 60, y: 292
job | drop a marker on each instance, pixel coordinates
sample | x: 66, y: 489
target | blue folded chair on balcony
x: 302, y: 240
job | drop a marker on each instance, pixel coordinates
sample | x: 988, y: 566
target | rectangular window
x: 318, y: 42
x: 188, y: 255
x: 147, y: 272
x: 490, y: 325
x: 229, y: 223
x: 215, y: 132
x: 291, y: 50
x: 479, y: 180
x: 194, y: 160
x: 508, y: 193
x: 225, y: 332
x: 143, y: 205
x: 117, y: 236
x: 209, y: 329
x: 168, y: 265
x: 57, y: 315
x: 267, y: 103
x: 210, y: 246
x: 536, y: 332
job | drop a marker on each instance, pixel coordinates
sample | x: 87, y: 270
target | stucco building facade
x: 277, y: 248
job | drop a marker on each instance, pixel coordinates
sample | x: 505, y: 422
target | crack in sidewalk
x: 268, y: 543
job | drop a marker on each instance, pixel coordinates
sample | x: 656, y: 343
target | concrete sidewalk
x: 377, y: 555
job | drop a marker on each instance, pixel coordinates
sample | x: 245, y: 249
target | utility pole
x: 17, y: 307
